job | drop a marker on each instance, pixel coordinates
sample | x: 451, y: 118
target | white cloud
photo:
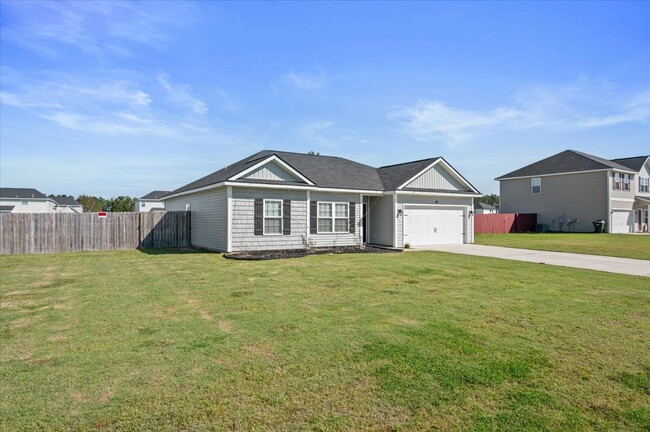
x: 180, y: 94
x: 585, y: 104
x: 304, y: 80
x: 96, y: 28
x: 109, y: 107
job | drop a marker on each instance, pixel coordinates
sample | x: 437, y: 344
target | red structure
x: 505, y: 223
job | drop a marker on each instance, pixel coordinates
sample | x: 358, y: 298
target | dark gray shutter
x: 286, y: 217
x: 259, y: 216
x: 353, y: 216
x: 313, y: 217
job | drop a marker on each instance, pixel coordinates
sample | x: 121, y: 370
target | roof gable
x: 272, y: 171
x: 436, y: 177
x: 567, y: 161
x: 66, y: 201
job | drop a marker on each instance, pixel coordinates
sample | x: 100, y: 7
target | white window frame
x: 265, y: 217
x: 532, y: 185
x: 333, y: 217
x: 644, y: 184
x: 626, y: 182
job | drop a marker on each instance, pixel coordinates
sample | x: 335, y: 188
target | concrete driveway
x: 627, y: 266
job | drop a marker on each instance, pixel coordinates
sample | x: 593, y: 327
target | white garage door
x: 622, y: 222
x: 432, y: 226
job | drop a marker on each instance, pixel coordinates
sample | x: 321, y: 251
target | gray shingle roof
x: 153, y: 195
x: 564, y: 162
x: 20, y: 193
x: 393, y: 176
x: 484, y: 206
x: 66, y: 201
x: 323, y: 171
x: 634, y: 163
x: 6, y: 208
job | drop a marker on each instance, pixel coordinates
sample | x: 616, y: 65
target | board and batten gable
x: 436, y: 177
x: 242, y: 206
x: 338, y: 239
x: 209, y: 211
x: 271, y: 171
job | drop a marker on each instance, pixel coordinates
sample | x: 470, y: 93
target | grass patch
x: 616, y: 245
x: 425, y: 340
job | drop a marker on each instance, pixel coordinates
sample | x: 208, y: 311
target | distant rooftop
x: 21, y: 193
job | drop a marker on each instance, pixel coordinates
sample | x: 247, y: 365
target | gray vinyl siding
x: 271, y: 171
x: 380, y: 220
x: 436, y: 178
x: 404, y: 200
x: 581, y: 196
x: 209, y: 217
x: 243, y: 220
x: 338, y: 239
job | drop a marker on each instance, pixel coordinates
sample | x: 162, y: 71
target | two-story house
x: 641, y: 185
x: 153, y: 201
x: 570, y: 190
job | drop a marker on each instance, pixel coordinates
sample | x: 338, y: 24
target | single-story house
x: 153, y: 201
x: 572, y: 189
x: 284, y: 200
x: 28, y: 200
x: 484, y: 208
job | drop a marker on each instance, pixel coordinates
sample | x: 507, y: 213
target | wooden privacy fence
x: 36, y: 233
x: 505, y: 223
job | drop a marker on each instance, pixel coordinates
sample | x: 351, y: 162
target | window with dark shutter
x: 313, y: 217
x: 286, y: 217
x: 352, y: 216
x: 259, y: 216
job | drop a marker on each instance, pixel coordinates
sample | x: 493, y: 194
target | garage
x: 425, y: 226
x: 622, y: 222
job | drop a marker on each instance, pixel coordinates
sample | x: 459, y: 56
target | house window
x: 24, y: 202
x: 536, y: 185
x: 617, y: 181
x: 273, y: 217
x: 141, y: 204
x: 626, y: 182
x: 644, y: 184
x: 333, y: 217
x: 645, y: 217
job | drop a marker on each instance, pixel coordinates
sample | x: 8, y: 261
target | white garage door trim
x: 622, y: 222
x: 426, y: 225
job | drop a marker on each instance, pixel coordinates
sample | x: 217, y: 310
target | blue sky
x: 114, y: 98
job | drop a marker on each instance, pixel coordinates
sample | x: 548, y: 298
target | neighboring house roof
x: 484, y: 206
x: 6, y: 208
x: 634, y: 163
x: 154, y: 195
x: 156, y: 209
x: 20, y: 193
x: 565, y: 162
x: 66, y: 201
x: 322, y: 171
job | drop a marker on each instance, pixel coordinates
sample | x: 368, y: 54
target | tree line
x: 492, y: 199
x: 97, y: 204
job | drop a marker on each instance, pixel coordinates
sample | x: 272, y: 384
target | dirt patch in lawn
x: 299, y: 253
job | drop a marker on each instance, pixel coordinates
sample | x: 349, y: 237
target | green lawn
x: 417, y: 341
x: 618, y: 245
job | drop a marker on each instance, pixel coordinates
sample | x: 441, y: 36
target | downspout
x: 609, y: 201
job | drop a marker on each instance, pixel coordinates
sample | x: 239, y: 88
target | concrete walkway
x: 627, y: 266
